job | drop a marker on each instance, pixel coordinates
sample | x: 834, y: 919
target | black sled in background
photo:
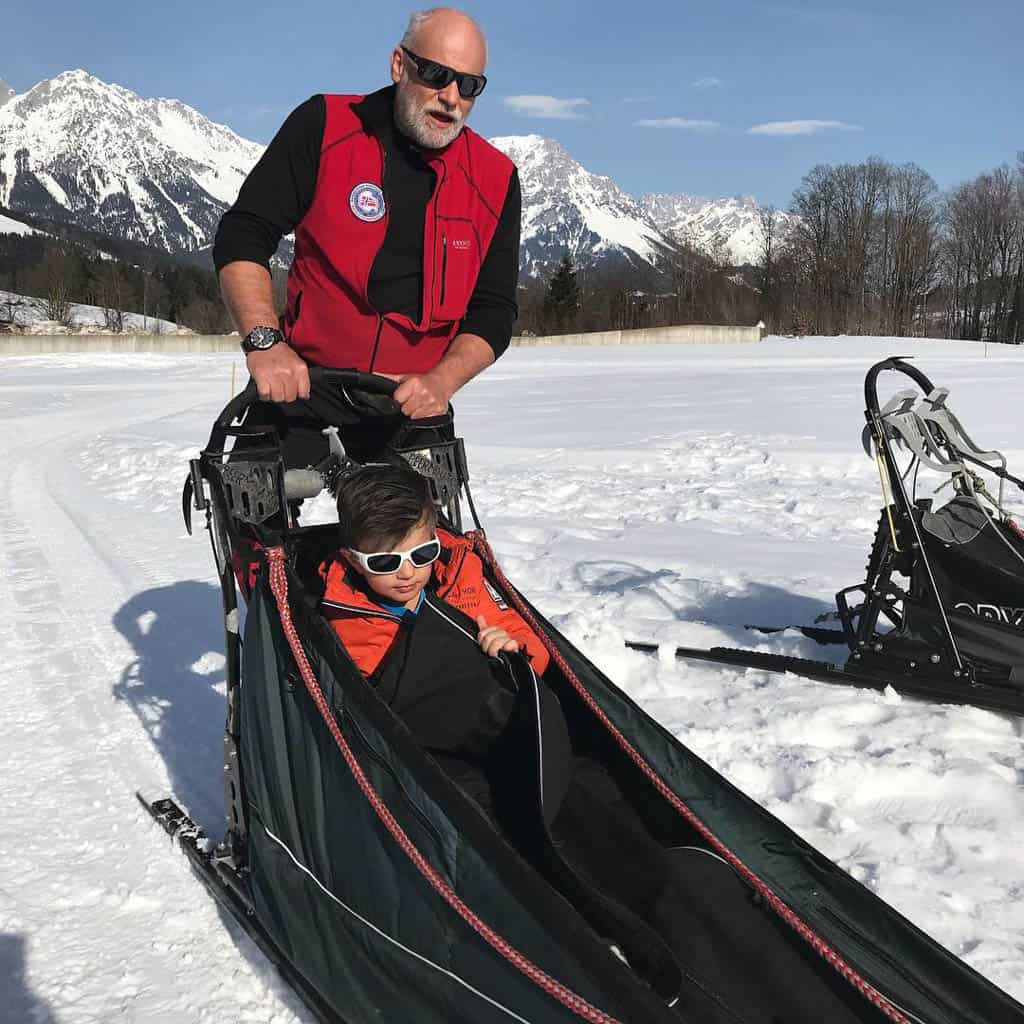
x: 383, y: 894
x: 940, y: 614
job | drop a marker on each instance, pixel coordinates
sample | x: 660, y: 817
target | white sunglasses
x: 383, y: 563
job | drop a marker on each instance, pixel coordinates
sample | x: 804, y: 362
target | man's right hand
x: 281, y: 375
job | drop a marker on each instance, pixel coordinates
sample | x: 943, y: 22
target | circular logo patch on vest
x: 367, y: 202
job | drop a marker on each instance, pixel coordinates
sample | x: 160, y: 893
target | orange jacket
x: 367, y: 629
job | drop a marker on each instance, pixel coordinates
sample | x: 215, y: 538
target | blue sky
x: 691, y: 96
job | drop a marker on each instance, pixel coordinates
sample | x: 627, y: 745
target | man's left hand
x: 421, y: 395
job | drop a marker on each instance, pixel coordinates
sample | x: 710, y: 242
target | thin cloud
x: 707, y: 82
x: 686, y: 123
x: 849, y: 16
x: 275, y: 110
x: 547, y: 106
x: 809, y: 127
x: 638, y: 99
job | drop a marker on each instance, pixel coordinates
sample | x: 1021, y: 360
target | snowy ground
x: 668, y: 492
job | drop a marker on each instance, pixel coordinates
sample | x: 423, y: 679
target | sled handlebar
x: 900, y: 364
x: 320, y: 377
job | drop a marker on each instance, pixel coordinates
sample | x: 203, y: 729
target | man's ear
x: 396, y: 65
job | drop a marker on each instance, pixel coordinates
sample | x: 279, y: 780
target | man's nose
x: 449, y: 95
x: 406, y: 570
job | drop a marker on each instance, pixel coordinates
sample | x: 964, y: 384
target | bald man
x: 406, y: 238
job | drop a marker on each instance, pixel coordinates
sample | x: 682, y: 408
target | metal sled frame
x: 921, y: 424
x: 247, y: 496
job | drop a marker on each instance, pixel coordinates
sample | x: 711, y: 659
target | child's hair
x: 379, y: 505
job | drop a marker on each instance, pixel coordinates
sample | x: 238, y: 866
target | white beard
x: 417, y: 125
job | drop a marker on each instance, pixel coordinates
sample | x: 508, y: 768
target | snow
x: 29, y: 315
x: 8, y: 226
x: 108, y: 141
x: 670, y: 492
x: 565, y: 204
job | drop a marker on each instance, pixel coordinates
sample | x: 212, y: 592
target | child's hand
x: 493, y: 639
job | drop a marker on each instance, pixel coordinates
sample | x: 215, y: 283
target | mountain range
x: 157, y: 172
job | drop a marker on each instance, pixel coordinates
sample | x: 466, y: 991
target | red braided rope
x: 775, y: 902
x: 568, y: 998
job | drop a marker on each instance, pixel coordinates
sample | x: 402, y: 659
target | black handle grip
x: 900, y: 364
x: 321, y: 378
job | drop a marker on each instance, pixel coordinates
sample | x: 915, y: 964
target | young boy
x: 416, y: 614
x: 392, y: 556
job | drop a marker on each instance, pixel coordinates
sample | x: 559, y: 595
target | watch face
x: 260, y: 338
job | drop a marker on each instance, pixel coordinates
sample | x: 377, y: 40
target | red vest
x: 329, y: 320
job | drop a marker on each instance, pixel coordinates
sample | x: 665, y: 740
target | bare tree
x: 768, y: 222
x: 110, y: 293
x: 909, y: 250
x: 983, y: 251
x: 53, y: 282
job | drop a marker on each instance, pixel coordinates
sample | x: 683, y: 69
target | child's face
x: 404, y: 586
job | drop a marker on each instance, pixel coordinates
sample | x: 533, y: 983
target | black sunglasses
x: 439, y: 76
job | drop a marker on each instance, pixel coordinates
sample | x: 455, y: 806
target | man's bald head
x: 432, y: 117
x: 448, y: 28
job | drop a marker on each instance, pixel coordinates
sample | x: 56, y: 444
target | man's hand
x: 280, y: 373
x: 493, y: 639
x: 422, y: 394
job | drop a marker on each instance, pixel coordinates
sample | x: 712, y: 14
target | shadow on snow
x: 175, y: 685
x: 17, y: 1001
x: 758, y: 604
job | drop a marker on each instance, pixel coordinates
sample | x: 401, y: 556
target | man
x: 406, y: 237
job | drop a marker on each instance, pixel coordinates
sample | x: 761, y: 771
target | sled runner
x: 940, y: 614
x: 384, y: 893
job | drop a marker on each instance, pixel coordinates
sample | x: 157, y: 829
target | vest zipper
x: 380, y: 317
x: 376, y: 342
x: 444, y: 265
x: 437, y: 192
x: 361, y: 611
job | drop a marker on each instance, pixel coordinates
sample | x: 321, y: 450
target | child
x: 392, y: 557
x: 416, y: 614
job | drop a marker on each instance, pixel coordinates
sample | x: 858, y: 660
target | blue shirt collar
x: 399, y: 609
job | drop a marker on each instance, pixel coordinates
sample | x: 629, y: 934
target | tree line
x: 58, y: 273
x: 875, y: 248
x: 698, y: 286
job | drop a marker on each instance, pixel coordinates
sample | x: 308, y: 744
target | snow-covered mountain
x: 568, y: 209
x: 149, y: 170
x: 732, y: 222
x: 158, y: 172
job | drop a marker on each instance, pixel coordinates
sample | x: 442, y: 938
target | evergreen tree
x: 562, y: 301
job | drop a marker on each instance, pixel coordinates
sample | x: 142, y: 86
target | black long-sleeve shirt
x: 279, y: 190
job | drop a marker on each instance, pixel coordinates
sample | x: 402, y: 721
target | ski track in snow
x: 672, y: 493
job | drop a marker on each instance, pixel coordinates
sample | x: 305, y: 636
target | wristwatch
x: 259, y: 339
